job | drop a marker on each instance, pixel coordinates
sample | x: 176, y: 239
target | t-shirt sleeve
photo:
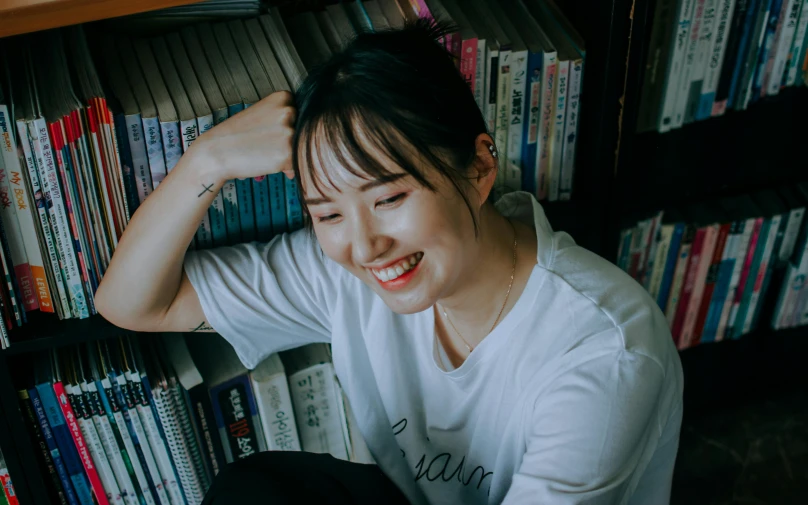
x: 592, y: 434
x: 266, y: 297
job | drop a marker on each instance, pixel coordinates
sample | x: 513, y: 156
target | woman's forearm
x: 144, y: 274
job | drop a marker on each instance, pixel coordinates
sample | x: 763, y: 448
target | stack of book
x: 137, y: 422
x: 707, y: 56
x: 711, y: 267
x: 8, y: 495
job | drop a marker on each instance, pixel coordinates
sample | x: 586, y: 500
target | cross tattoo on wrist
x: 206, y: 190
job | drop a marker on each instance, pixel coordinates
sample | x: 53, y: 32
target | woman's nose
x: 368, y: 242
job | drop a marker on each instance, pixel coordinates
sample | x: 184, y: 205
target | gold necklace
x: 507, y: 294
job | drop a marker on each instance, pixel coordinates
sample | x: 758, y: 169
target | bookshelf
x: 618, y: 172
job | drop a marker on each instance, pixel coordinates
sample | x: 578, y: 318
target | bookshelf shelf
x: 25, y: 16
x: 46, y: 331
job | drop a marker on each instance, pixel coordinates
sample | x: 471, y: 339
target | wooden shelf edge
x: 47, y: 332
x: 21, y: 16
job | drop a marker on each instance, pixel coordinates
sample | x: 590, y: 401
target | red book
x: 81, y: 446
x: 8, y: 487
x: 687, y: 287
x: 709, y: 283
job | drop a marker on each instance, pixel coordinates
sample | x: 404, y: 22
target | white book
x: 571, y: 129
x: 107, y: 437
x: 42, y: 214
x: 25, y: 214
x: 57, y: 214
x: 271, y: 390
x: 700, y: 61
x: 96, y: 448
x: 794, y: 66
x: 789, y: 14
x: 715, y: 58
x: 557, y: 129
x: 675, y: 71
x: 791, y: 233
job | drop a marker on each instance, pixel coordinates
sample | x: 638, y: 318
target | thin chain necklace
x: 505, y: 302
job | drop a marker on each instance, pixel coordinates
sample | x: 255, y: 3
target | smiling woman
x: 488, y: 358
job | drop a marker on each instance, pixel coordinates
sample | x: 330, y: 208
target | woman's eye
x: 391, y: 200
x: 325, y: 219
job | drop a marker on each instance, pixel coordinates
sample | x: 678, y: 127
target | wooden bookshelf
x: 26, y: 16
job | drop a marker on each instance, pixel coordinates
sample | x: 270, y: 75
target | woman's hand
x: 255, y: 142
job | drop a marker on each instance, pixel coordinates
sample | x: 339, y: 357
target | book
x: 271, y: 388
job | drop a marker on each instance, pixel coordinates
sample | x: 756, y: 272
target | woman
x: 487, y: 358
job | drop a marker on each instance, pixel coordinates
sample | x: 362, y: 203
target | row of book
x: 92, y: 123
x: 713, y: 267
x: 707, y: 56
x: 8, y: 496
x: 153, y: 420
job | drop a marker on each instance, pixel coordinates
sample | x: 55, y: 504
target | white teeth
x: 390, y: 273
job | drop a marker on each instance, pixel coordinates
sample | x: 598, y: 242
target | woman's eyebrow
x: 381, y: 181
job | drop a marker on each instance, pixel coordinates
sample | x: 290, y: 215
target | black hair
x: 397, y: 87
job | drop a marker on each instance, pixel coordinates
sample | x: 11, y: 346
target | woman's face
x: 410, y: 244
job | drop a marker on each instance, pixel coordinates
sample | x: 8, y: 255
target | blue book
x: 721, y: 290
x: 237, y: 418
x: 230, y: 194
x: 765, y: 49
x: 129, y: 183
x: 246, y: 214
x: 50, y: 441
x: 294, y: 212
x: 743, y: 50
x: 277, y: 203
x: 263, y: 213
x: 749, y: 287
x: 530, y: 130
x: 64, y: 440
x: 670, y: 265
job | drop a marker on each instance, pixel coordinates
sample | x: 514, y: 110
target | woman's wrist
x: 204, y: 165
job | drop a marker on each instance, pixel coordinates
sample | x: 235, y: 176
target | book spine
x: 774, y: 30
x: 570, y: 141
x: 294, y: 211
x: 180, y: 411
x: 715, y: 61
x: 189, y: 481
x: 530, y: 132
x: 155, y: 441
x: 503, y: 116
x: 277, y: 202
x: 244, y: 195
x: 317, y: 411
x: 689, y: 64
x: 689, y: 284
x: 696, y: 295
x: 660, y: 256
x: 548, y: 78
x: 741, y: 59
x: 138, y: 435
x: 128, y: 174
x: 739, y: 256
x: 42, y: 214
x: 172, y: 144
x: 81, y: 446
x: 54, y: 485
x: 741, y: 326
x: 114, y: 409
x: 112, y: 444
x: 788, y: 19
x: 794, y: 62
x: 782, y: 309
x: 65, y: 443
x: 491, y: 77
x: 745, y: 269
x: 75, y: 231
x: 140, y: 155
x: 710, y: 282
x: 96, y: 448
x: 557, y: 139
x: 757, y: 59
x: 231, y: 212
x: 263, y: 211
x: 107, y: 188
x: 22, y: 204
x: 9, y: 494
x: 670, y: 266
x: 677, y: 64
x: 154, y: 149
x: 11, y: 294
x: 792, y: 231
x: 203, y: 415
x: 190, y: 131
x: 481, y: 62
x: 50, y: 441
x: 234, y: 409
x: 721, y: 290
x: 768, y: 262
x: 58, y: 218
x: 277, y: 413
x: 659, y: 53
x: 701, y: 61
x: 518, y: 89
x: 19, y: 259
x: 730, y: 57
x: 468, y: 63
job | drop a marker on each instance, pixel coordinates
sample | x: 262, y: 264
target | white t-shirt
x: 575, y: 397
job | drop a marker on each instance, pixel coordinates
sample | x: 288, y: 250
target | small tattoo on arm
x: 203, y: 326
x: 206, y: 190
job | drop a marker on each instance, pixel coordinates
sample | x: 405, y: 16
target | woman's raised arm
x: 144, y: 288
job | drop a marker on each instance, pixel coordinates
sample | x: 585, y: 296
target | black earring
x: 493, y: 150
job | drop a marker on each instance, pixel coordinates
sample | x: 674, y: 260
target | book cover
x: 274, y: 403
x: 237, y: 418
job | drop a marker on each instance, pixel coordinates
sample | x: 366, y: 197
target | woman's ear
x: 485, y: 166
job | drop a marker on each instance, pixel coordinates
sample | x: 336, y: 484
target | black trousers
x: 282, y: 478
